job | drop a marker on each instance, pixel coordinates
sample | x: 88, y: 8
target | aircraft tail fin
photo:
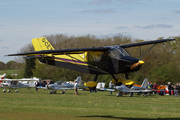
x: 145, y: 83
x: 41, y: 44
x: 78, y: 79
x: 3, y: 76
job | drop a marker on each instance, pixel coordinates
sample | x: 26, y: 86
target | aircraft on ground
x: 95, y: 60
x: 131, y: 89
x: 17, y: 83
x: 61, y: 85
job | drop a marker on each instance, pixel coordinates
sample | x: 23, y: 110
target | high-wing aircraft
x: 17, y: 83
x: 61, y: 85
x: 134, y: 89
x: 96, y: 60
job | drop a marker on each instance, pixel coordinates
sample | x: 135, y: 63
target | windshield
x: 117, y: 52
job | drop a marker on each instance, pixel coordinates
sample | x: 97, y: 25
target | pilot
x: 75, y: 88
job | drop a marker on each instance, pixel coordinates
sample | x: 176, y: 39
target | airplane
x: 128, y: 89
x: 61, y: 85
x: 17, y: 83
x: 95, y: 60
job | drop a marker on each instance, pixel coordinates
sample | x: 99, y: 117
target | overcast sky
x: 23, y: 20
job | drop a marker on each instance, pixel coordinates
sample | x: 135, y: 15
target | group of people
x: 42, y: 83
x: 172, y: 89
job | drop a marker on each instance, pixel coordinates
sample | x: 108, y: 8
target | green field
x: 40, y: 105
x: 9, y: 72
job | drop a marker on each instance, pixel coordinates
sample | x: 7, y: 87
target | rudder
x: 145, y: 83
x: 78, y: 80
x: 41, y: 44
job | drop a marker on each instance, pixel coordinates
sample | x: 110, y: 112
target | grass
x: 9, y: 72
x: 37, y: 105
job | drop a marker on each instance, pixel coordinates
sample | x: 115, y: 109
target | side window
x: 99, y: 58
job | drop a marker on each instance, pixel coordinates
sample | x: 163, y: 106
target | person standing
x: 75, y: 88
x: 178, y: 89
x: 169, y: 87
x: 155, y: 88
x: 175, y: 89
x: 110, y: 86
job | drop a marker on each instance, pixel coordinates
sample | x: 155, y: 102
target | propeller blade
x: 146, y: 59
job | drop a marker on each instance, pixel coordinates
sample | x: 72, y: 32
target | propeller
x: 135, y: 65
x: 140, y: 62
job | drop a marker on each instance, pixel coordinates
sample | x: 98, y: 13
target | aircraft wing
x: 40, y: 87
x: 64, y: 88
x: 5, y: 80
x: 107, y: 89
x: 139, y: 91
x: 145, y: 43
x: 82, y: 50
x: 61, y: 51
x: 59, y: 88
x: 19, y: 79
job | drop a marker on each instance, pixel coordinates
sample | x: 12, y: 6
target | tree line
x: 10, y: 65
x: 161, y: 63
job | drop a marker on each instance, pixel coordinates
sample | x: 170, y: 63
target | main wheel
x: 4, y: 91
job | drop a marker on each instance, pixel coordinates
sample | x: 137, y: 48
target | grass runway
x: 40, y: 105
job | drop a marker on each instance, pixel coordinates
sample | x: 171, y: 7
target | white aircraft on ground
x: 17, y: 83
x: 61, y: 85
x: 131, y: 90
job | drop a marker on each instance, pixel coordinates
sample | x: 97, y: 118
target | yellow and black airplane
x: 96, y: 60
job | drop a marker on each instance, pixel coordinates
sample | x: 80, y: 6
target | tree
x: 13, y: 65
x: 2, y: 65
x: 30, y: 65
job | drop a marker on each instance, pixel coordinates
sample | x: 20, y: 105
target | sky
x: 23, y: 20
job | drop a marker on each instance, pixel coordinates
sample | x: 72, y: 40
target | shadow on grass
x: 125, y: 118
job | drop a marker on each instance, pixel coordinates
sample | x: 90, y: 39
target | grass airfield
x: 40, y: 105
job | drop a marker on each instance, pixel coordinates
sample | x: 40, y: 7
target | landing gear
x: 4, y: 90
x: 62, y: 92
x: 131, y: 94
x: 119, y: 94
x: 8, y: 91
x: 52, y: 92
x: 16, y: 91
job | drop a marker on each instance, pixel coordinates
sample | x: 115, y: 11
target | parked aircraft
x: 17, y: 83
x: 134, y: 89
x: 96, y: 60
x: 61, y: 85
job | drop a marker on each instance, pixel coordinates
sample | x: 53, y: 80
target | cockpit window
x: 117, y: 52
x: 123, y: 51
x: 59, y: 82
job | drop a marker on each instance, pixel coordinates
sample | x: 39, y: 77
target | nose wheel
x: 4, y: 90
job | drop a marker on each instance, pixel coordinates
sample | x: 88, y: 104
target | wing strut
x: 148, y: 50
